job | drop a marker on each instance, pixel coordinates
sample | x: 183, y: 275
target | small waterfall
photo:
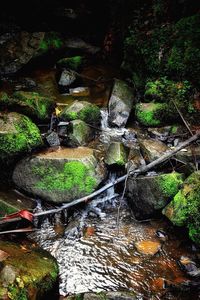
x: 110, y: 134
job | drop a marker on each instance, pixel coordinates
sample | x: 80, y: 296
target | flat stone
x: 152, y: 149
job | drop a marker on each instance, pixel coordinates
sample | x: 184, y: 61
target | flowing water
x: 96, y: 254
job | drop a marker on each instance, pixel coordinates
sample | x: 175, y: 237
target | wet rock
x: 17, y: 48
x: 135, y: 159
x: 79, y: 44
x: 189, y: 155
x: 24, y: 83
x: 148, y: 247
x: 161, y: 235
x: 189, y: 266
x: 184, y: 209
x: 111, y: 296
x: 120, y: 103
x: 147, y: 195
x: 18, y: 134
x: 161, y: 133
x: 152, y: 149
x: 67, y: 78
x: 79, y: 133
x: 82, y: 110
x: 80, y: 92
x: 151, y: 114
x: 117, y: 154
x: 53, y: 139
x: 59, y: 175
x: 27, y: 273
x: 31, y: 104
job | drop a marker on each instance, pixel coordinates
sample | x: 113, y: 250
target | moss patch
x: 170, y: 184
x: 150, y: 114
x: 51, y: 41
x: 73, y: 63
x: 75, y: 178
x: 184, y: 209
x: 24, y: 135
x: 34, y: 104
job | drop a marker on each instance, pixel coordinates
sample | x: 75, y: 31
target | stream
x: 96, y: 253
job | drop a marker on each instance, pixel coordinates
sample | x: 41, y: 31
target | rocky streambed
x: 64, y: 137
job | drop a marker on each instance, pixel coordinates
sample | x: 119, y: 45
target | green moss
x: 170, y: 184
x: 90, y: 114
x: 6, y: 209
x: 34, y: 104
x: 26, y: 137
x: 74, y: 177
x: 174, y: 129
x: 52, y: 40
x: 16, y: 293
x: 72, y: 115
x: 71, y: 62
x: 150, y: 114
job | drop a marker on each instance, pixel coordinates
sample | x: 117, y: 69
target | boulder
x: 151, y: 114
x: 67, y: 78
x: 79, y: 133
x: 59, y: 175
x: 18, y: 134
x: 120, y: 103
x: 17, y: 48
x: 117, y: 154
x: 184, y: 209
x: 27, y: 272
x: 152, y: 149
x: 147, y: 195
x: 82, y: 110
x: 33, y: 104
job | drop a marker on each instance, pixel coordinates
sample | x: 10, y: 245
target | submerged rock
x: 83, y: 110
x: 151, y: 114
x: 120, y: 103
x: 189, y: 266
x: 18, y: 134
x: 117, y: 154
x: 184, y: 209
x: 59, y: 175
x: 26, y: 273
x: 152, y: 149
x: 147, y: 195
x: 148, y: 247
x: 79, y: 133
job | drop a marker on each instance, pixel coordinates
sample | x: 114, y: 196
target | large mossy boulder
x: 26, y: 272
x: 33, y: 104
x: 151, y: 114
x: 120, y: 103
x: 82, y: 110
x: 184, y: 209
x: 147, y: 195
x: 59, y: 175
x: 18, y: 134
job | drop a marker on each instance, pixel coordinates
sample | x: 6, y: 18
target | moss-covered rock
x: 82, y: 110
x: 79, y: 133
x: 73, y: 62
x: 18, y: 134
x: 117, y: 154
x: 184, y: 209
x: 33, y: 104
x: 148, y: 195
x: 52, y: 41
x: 151, y: 114
x: 26, y: 272
x: 61, y: 175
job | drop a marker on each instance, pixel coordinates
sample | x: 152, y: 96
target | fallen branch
x: 136, y: 172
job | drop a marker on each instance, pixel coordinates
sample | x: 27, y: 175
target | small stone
x: 80, y: 92
x: 67, y: 78
x: 148, y: 247
x: 53, y: 139
x: 8, y: 275
x: 116, y: 154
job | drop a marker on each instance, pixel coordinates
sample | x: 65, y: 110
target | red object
x: 24, y: 214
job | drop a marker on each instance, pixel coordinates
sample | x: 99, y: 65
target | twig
x: 183, y: 119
